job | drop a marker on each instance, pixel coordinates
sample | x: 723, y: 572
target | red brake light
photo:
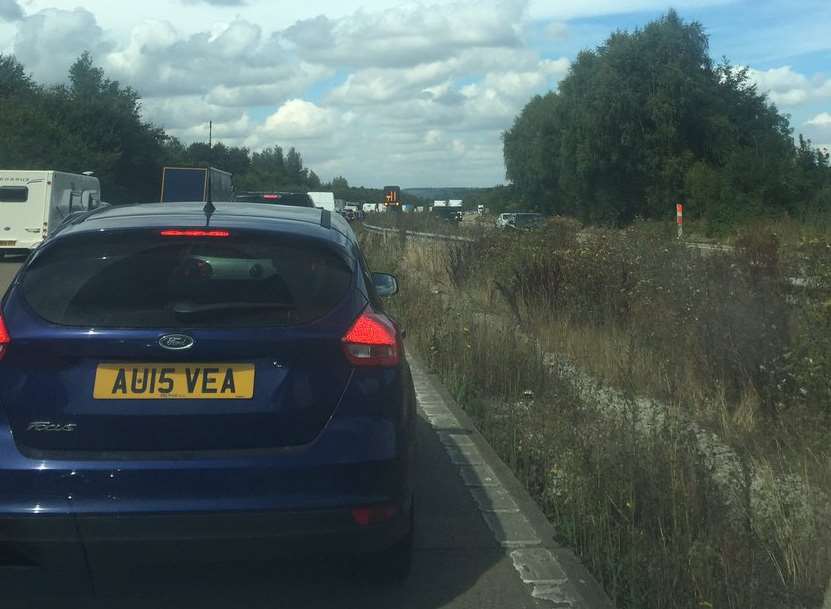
x: 365, y: 516
x: 195, y: 233
x: 271, y: 197
x: 5, y: 339
x: 372, y: 341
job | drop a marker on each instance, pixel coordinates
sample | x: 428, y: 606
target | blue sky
x: 380, y: 91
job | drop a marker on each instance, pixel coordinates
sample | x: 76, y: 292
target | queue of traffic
x: 33, y: 201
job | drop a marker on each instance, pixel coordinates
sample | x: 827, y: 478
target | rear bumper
x: 193, y: 509
x: 31, y: 540
x: 247, y: 503
x: 20, y: 247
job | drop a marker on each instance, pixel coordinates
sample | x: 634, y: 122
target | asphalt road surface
x: 8, y: 267
x: 458, y: 561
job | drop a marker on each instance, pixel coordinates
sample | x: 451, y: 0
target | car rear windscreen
x: 292, y: 199
x: 145, y: 280
x: 14, y: 194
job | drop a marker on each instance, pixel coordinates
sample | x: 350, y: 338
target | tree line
x: 93, y: 123
x: 648, y: 120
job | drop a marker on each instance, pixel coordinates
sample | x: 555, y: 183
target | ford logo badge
x: 176, y: 342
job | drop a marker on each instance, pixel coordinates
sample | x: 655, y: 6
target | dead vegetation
x: 724, y: 341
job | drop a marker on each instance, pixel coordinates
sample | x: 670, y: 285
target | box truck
x: 33, y: 201
x: 191, y: 184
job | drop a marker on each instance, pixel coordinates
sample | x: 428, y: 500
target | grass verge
x: 723, y: 340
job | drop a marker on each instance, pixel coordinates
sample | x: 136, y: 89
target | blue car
x: 222, y: 376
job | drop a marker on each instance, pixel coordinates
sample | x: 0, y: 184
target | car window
x: 14, y: 194
x: 145, y: 280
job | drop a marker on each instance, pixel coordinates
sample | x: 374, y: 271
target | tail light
x: 375, y: 514
x: 5, y: 339
x: 372, y: 341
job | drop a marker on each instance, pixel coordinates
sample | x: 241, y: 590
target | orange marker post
x: 679, y: 218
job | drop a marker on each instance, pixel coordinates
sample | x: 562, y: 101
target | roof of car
x: 270, y: 192
x: 309, y: 221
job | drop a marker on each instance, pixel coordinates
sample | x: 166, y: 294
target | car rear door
x: 170, y: 341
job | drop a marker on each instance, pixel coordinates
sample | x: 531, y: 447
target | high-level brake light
x: 194, y: 233
x: 372, y: 341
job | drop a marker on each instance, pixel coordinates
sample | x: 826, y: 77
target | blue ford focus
x: 172, y: 374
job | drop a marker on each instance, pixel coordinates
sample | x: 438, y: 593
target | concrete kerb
x: 513, y: 512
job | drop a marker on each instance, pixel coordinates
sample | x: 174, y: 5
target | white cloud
x: 234, y: 63
x: 298, y: 119
x: 823, y: 119
x: 423, y: 89
x: 434, y: 81
x: 10, y: 10
x: 50, y: 41
x: 542, y: 9
x: 232, y: 132
x: 180, y: 113
x: 785, y: 87
x: 818, y: 128
x: 218, y: 2
x: 407, y: 35
x: 411, y: 139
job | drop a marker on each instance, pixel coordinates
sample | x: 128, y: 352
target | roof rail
x: 325, y: 218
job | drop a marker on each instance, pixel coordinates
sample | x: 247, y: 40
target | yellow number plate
x: 174, y: 381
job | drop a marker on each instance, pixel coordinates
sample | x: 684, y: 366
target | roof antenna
x: 209, y: 208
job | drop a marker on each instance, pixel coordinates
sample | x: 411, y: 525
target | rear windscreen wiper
x: 187, y: 308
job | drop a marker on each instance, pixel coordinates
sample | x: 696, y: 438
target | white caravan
x: 33, y: 201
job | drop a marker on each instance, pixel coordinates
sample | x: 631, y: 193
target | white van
x: 32, y: 201
x: 326, y: 200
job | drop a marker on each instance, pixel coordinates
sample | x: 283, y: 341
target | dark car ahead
x: 525, y: 221
x: 449, y: 214
x: 292, y: 199
x: 168, y: 376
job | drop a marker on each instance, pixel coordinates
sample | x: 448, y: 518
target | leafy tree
x: 647, y: 120
x: 313, y: 180
x: 94, y: 124
x: 13, y: 77
x: 340, y: 184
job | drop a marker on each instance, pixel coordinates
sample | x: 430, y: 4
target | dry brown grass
x: 641, y: 507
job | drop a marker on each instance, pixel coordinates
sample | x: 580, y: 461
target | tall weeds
x: 725, y: 340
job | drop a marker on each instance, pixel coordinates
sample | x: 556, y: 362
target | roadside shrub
x: 458, y: 262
